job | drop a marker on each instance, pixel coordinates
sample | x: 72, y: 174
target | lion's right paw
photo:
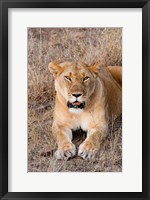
x: 87, y: 150
x: 67, y: 151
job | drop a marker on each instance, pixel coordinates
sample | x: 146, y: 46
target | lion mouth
x: 76, y: 104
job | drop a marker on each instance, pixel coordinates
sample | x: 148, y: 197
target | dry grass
x: 90, y: 45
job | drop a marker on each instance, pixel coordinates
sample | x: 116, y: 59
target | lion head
x: 75, y: 83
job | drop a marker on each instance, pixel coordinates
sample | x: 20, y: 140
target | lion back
x: 116, y: 72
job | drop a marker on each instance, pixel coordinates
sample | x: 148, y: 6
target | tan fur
x: 101, y: 91
x: 116, y: 72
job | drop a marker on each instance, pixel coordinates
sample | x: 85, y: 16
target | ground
x: 88, y: 45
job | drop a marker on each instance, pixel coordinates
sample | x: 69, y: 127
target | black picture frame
x: 4, y: 6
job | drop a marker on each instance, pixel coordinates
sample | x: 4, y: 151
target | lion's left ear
x: 95, y: 68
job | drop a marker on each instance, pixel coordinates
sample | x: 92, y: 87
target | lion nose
x: 76, y: 95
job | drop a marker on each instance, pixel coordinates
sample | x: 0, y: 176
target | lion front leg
x: 89, y: 148
x: 66, y: 149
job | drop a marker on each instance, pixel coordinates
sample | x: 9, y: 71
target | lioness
x: 87, y: 97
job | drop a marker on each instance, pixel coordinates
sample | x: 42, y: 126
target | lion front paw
x: 65, y: 152
x: 87, y: 150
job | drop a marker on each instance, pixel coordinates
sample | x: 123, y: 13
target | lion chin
x: 76, y: 110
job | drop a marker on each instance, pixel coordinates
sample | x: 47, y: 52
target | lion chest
x: 79, y: 122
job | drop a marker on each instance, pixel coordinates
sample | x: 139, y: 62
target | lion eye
x: 85, y: 78
x: 68, y: 78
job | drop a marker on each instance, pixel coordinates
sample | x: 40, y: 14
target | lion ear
x: 95, y: 68
x: 54, y: 68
